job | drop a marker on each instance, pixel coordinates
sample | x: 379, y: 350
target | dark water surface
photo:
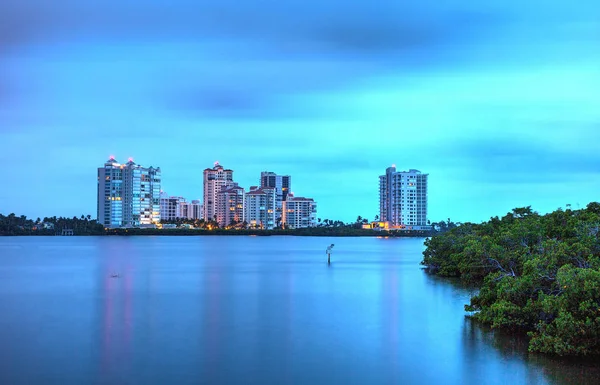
x: 245, y: 310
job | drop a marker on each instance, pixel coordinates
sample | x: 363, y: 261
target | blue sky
x: 498, y: 101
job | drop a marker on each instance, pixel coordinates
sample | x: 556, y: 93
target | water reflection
x: 265, y: 310
x: 116, y: 276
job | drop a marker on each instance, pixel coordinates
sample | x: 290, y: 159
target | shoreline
x: 314, y: 232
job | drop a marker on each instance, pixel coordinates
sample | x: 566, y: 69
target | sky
x: 498, y: 101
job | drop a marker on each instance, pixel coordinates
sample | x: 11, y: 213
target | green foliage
x: 14, y: 225
x: 346, y: 231
x: 539, y: 274
x: 576, y: 328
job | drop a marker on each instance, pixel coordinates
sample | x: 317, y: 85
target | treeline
x: 333, y: 225
x: 85, y: 225
x: 309, y: 232
x: 537, y: 273
x: 213, y: 224
x: 21, y: 225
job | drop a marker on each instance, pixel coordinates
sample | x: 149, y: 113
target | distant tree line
x: 323, y: 227
x: 85, y: 225
x: 309, y: 231
x: 537, y: 273
x: 12, y: 224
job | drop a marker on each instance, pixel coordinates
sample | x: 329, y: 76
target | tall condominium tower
x: 403, y: 197
x: 230, y: 206
x: 215, y: 179
x: 128, y: 194
x: 260, y: 207
x: 282, y: 185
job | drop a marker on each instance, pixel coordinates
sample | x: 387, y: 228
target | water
x: 246, y: 310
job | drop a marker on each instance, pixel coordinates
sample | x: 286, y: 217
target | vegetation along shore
x: 20, y: 225
x: 538, y: 274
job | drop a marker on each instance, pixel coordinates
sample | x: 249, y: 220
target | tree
x: 539, y: 274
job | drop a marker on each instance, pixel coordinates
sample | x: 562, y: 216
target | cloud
x: 519, y: 160
x: 499, y: 96
x: 347, y: 26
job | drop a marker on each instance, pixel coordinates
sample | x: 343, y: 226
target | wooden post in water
x: 328, y: 251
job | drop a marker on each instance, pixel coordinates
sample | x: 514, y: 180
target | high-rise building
x: 260, y: 207
x: 230, y: 206
x: 282, y: 185
x: 215, y: 179
x: 191, y: 210
x: 196, y: 210
x: 128, y: 194
x: 403, y: 197
x: 172, y: 207
x: 299, y: 212
x: 110, y: 194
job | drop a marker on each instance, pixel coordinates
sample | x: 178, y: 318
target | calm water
x: 243, y: 310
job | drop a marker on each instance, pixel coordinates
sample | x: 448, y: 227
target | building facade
x: 299, y: 212
x: 110, y: 194
x: 215, y: 179
x: 128, y: 194
x: 230, y: 206
x: 172, y: 207
x: 260, y: 205
x: 403, y: 198
x: 282, y: 185
x: 191, y: 210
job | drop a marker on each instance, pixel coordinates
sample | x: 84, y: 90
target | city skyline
x: 130, y: 195
x: 348, y: 217
x: 496, y: 100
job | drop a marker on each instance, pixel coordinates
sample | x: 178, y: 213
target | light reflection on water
x: 266, y: 310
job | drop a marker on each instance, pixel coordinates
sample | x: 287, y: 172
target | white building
x: 260, y: 205
x: 403, y: 197
x: 230, y: 206
x: 282, y: 185
x: 299, y: 212
x: 215, y: 179
x: 128, y: 194
x: 191, y: 210
x: 171, y: 207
